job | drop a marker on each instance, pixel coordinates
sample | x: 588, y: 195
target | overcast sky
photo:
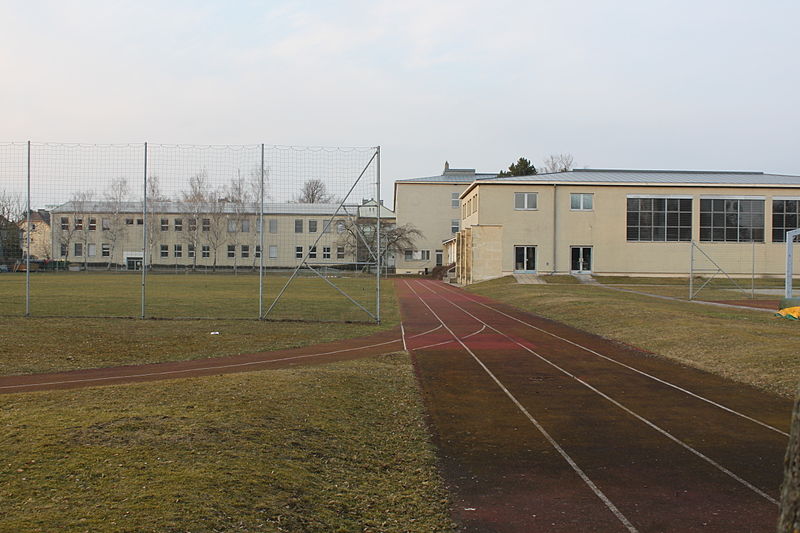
x: 618, y: 84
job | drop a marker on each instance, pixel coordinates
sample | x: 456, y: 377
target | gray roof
x: 187, y: 208
x: 667, y: 177
x: 452, y: 176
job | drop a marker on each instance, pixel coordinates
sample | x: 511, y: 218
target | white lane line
x: 611, y: 507
x: 425, y: 332
x: 403, y: 336
x: 620, y: 363
x: 627, y: 410
x: 186, y: 370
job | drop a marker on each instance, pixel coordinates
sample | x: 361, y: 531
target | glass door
x: 524, y: 259
x: 581, y: 259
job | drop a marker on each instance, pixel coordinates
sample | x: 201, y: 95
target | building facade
x: 625, y: 222
x: 209, y: 235
x: 432, y: 205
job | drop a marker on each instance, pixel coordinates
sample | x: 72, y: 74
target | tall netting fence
x: 187, y: 231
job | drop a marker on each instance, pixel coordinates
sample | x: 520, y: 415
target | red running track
x: 543, y: 427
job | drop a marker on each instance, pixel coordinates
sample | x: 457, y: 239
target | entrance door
x: 134, y: 263
x: 524, y: 259
x: 581, y: 259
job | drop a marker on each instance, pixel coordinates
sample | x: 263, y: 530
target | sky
x: 618, y: 84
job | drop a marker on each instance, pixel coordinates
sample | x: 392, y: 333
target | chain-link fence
x: 169, y: 231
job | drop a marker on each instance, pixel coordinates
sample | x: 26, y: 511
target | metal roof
x: 452, y: 176
x: 672, y: 177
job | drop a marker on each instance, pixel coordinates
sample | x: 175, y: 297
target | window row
x: 578, y: 201
x: 312, y: 252
x: 205, y: 224
x: 417, y: 255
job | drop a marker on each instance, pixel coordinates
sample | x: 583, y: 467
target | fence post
x: 28, y: 240
x: 144, y: 231
x: 261, y: 243
x: 378, y: 241
x: 691, y: 269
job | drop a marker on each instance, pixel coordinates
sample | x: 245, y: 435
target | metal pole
x: 753, y: 273
x: 789, y: 261
x: 378, y: 241
x: 28, y: 243
x: 144, y: 231
x: 691, y: 269
x: 261, y: 241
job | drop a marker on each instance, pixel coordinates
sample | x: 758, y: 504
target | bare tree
x: 114, y: 227
x: 193, y: 201
x: 359, y: 237
x: 11, y: 212
x: 155, y: 207
x: 239, y: 199
x: 314, y: 192
x: 83, y: 222
x: 557, y: 163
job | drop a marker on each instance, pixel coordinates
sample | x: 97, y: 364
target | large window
x: 298, y: 226
x: 652, y: 219
x: 273, y: 225
x: 524, y: 200
x: 785, y: 217
x: 454, y: 225
x: 454, y: 201
x: 731, y: 220
x: 581, y: 201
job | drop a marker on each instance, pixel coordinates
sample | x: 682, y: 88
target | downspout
x: 555, y: 188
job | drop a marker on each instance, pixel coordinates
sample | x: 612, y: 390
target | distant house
x: 10, y: 250
x: 41, y: 235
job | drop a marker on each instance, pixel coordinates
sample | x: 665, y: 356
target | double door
x: 525, y: 259
x: 580, y: 259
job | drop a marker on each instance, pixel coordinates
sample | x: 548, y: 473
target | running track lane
x: 381, y: 343
x: 654, y: 446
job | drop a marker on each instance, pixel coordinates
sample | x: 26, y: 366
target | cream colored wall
x: 131, y: 242
x: 604, y: 229
x: 427, y: 207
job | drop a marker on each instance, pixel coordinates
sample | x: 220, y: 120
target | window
x: 525, y: 200
x: 312, y: 226
x: 206, y: 225
x: 164, y: 224
x: 258, y: 250
x: 245, y: 226
x: 91, y: 250
x: 731, y: 220
x: 312, y: 252
x: 340, y: 227
x: 105, y: 250
x: 785, y: 216
x: 580, y: 201
x: 454, y: 225
x: 78, y: 249
x: 92, y: 224
x: 164, y: 250
x: 298, y: 252
x: 65, y: 223
x: 408, y: 255
x: 232, y: 225
x: 178, y: 250
x: 326, y: 226
x: 78, y: 223
x: 439, y: 257
x: 273, y: 251
x: 340, y: 252
x: 326, y: 252
x: 63, y: 250
x: 129, y: 222
x: 205, y: 251
x: 298, y: 226
x: 273, y: 225
x: 425, y: 255
x: 139, y: 221
x: 653, y: 219
x: 454, y: 199
x: 231, y: 250
x: 245, y: 250
x: 192, y: 224
x: 106, y: 224
x: 178, y: 224
x: 190, y: 250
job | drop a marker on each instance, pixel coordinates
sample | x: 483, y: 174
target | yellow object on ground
x: 792, y: 313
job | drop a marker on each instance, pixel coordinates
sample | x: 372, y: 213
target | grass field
x: 29, y: 345
x: 339, y: 447
x: 719, y: 288
x: 748, y: 346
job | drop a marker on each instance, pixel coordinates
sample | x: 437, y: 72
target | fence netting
x: 189, y: 231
